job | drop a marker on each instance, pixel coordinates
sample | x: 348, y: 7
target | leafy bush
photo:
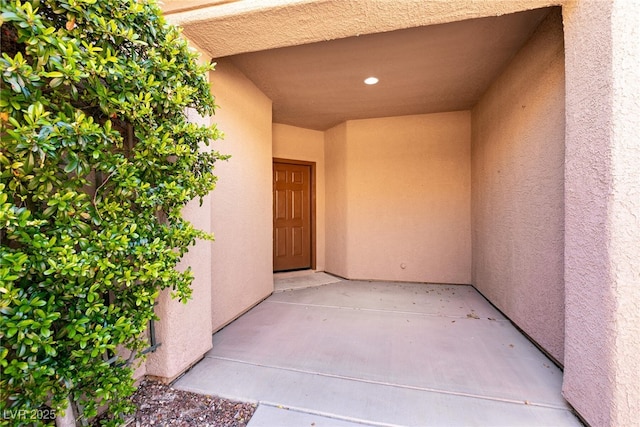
x: 97, y: 160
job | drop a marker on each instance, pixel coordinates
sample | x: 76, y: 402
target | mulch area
x: 162, y: 405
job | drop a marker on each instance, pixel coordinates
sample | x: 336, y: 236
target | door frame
x: 312, y: 196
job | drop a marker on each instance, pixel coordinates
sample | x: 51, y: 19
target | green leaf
x: 55, y: 82
x: 71, y: 166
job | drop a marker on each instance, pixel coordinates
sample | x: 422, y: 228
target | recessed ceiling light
x: 371, y: 80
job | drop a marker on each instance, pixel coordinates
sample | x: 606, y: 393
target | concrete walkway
x: 353, y: 353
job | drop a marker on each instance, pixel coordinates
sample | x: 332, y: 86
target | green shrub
x: 97, y: 160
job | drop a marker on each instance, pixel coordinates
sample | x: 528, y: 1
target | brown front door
x: 291, y: 216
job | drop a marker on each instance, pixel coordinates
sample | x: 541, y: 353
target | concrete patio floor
x: 353, y: 353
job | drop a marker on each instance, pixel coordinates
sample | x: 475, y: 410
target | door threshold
x: 293, y: 273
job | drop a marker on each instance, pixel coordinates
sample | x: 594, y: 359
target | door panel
x: 280, y: 209
x: 297, y: 205
x: 291, y: 216
x: 299, y: 241
x: 280, y: 247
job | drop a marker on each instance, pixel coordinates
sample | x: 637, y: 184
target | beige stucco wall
x: 253, y: 25
x: 624, y: 211
x: 337, y: 202
x: 602, y: 197
x: 517, y: 189
x: 184, y: 330
x: 402, y: 188
x: 242, y: 256
x: 295, y: 143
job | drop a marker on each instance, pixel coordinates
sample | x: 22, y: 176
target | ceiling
x: 445, y: 67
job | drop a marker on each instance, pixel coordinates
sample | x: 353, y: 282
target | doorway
x: 293, y: 215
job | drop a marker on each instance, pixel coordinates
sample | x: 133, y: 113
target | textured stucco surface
x: 625, y: 210
x: 337, y: 203
x: 405, y: 197
x: 517, y: 189
x: 294, y: 143
x: 253, y: 25
x: 242, y: 267
x: 184, y: 330
x: 602, y: 198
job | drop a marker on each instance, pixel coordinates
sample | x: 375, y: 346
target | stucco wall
x: 407, y: 189
x: 624, y: 211
x: 184, y: 330
x: 602, y: 272
x: 242, y: 266
x: 249, y: 26
x: 337, y: 202
x: 294, y: 143
x: 517, y: 189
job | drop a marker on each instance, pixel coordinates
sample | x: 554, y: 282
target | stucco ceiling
x: 434, y: 68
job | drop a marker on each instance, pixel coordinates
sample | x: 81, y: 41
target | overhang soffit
x: 230, y: 27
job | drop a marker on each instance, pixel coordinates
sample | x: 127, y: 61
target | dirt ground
x: 161, y: 405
